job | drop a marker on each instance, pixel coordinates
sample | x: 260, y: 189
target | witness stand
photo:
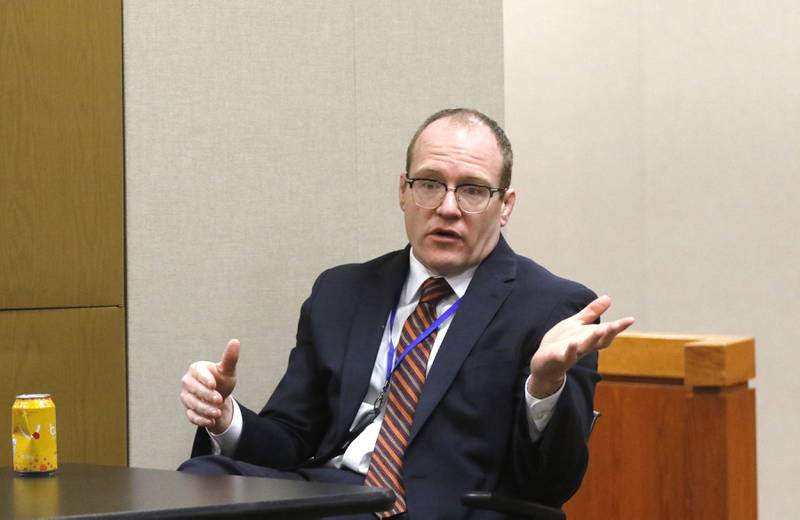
x: 677, y: 434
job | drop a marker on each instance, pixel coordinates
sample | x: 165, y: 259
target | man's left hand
x: 567, y: 342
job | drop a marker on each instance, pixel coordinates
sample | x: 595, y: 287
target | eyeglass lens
x: 470, y: 198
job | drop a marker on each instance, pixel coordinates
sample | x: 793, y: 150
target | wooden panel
x: 61, y: 183
x: 78, y: 356
x: 693, y: 360
x: 722, y: 468
x: 720, y: 361
x: 664, y: 451
x: 645, y: 355
x: 638, y: 449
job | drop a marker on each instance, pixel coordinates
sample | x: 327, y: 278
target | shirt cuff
x: 225, y: 443
x: 540, y: 411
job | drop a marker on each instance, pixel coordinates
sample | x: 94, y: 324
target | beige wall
x: 263, y: 144
x: 657, y: 160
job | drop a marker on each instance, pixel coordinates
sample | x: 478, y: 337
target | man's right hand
x: 206, y: 388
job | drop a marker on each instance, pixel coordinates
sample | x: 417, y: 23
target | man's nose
x: 449, y: 206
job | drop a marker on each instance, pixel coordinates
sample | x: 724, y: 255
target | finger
x: 202, y: 392
x: 593, y: 338
x: 571, y: 353
x: 229, y: 358
x: 199, y: 406
x: 590, y: 340
x: 594, y: 310
x: 608, y: 331
x: 624, y: 323
x: 198, y: 420
x: 614, y: 328
x: 201, y: 372
x: 603, y: 335
x: 202, y: 408
x: 201, y: 382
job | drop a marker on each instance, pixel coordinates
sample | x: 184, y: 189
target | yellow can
x: 33, y: 435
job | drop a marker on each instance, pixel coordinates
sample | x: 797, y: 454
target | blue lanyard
x: 391, y: 364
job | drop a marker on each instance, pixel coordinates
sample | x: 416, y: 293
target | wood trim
x: 716, y: 361
x: 691, y: 360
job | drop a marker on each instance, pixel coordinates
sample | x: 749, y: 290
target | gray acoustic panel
x: 263, y: 144
x: 240, y: 159
x: 413, y: 59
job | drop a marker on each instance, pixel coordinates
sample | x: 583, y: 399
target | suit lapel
x: 378, y: 296
x: 488, y: 290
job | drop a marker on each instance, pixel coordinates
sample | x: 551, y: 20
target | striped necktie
x: 386, y: 464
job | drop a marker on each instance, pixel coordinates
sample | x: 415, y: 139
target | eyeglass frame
x: 492, y: 190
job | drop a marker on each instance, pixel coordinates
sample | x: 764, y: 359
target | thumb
x: 230, y: 356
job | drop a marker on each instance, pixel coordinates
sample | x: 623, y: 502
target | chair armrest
x: 512, y: 506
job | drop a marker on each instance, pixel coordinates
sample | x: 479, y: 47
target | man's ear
x: 403, y: 187
x: 508, y: 206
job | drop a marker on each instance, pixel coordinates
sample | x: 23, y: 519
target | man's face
x: 447, y: 240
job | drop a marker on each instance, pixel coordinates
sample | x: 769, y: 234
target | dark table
x: 88, y: 491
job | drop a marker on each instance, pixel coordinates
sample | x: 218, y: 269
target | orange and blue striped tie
x: 386, y: 464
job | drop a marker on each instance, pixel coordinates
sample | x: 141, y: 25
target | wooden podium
x: 676, y: 439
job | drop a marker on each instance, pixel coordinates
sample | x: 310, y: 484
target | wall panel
x: 74, y: 355
x: 664, y: 138
x: 61, y: 241
x: 62, y: 317
x: 574, y: 116
x: 720, y: 136
x: 264, y: 141
x: 412, y: 59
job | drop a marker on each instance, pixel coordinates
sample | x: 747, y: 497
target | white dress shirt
x: 356, y: 456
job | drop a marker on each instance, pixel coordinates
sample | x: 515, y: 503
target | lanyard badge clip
x: 381, y: 399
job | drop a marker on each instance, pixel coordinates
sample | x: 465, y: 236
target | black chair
x: 516, y: 507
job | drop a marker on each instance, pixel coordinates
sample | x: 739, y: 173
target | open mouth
x: 445, y: 234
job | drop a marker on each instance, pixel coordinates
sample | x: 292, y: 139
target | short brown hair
x: 467, y: 116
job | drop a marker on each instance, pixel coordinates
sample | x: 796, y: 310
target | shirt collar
x: 418, y: 273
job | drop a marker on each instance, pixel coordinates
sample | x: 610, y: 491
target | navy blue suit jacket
x: 470, y: 429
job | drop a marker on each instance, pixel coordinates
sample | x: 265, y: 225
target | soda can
x: 33, y: 435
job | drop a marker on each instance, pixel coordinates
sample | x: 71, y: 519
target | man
x: 452, y: 365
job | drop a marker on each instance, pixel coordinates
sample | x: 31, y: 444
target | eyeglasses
x: 471, y: 198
